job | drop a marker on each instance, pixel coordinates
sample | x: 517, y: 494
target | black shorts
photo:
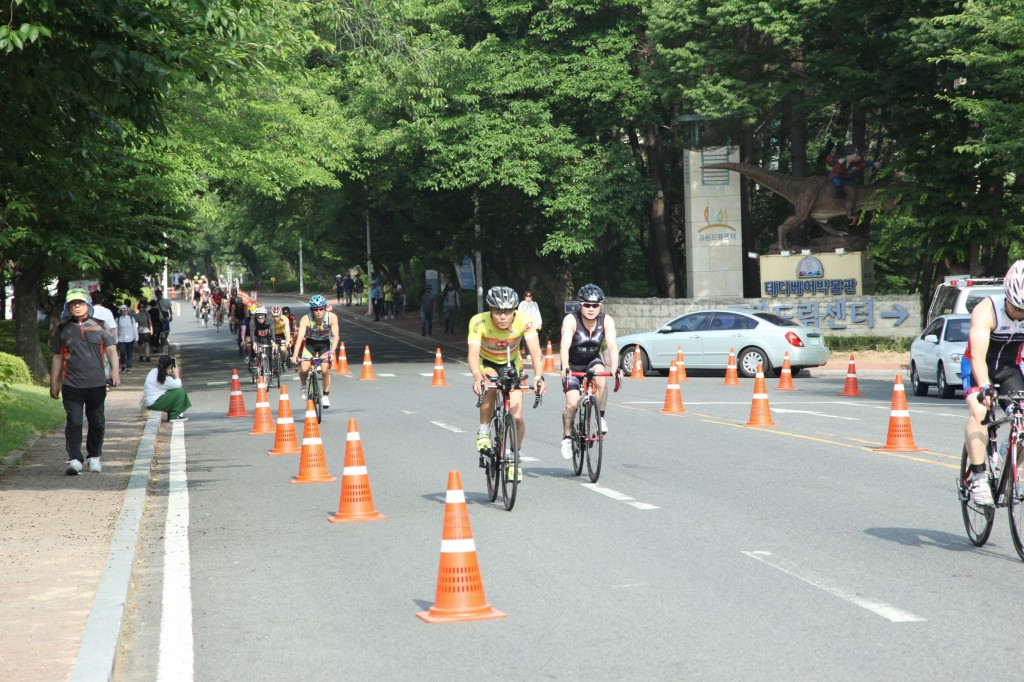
x: 312, y: 349
x: 499, y: 370
x: 573, y: 383
x: 1008, y: 378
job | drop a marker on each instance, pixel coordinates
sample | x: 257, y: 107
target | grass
x: 884, y: 344
x: 25, y: 411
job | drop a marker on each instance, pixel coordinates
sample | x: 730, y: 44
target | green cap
x: 77, y: 295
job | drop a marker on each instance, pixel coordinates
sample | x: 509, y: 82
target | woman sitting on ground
x: 163, y: 392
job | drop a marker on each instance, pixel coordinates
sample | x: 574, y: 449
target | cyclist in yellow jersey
x: 494, y: 339
x: 282, y: 329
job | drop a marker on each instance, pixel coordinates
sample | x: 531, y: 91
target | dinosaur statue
x: 812, y: 197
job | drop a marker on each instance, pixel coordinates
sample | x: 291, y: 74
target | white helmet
x: 503, y: 298
x: 1013, y: 284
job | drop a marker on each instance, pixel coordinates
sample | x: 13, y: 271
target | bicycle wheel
x: 316, y: 395
x: 593, y: 440
x: 977, y: 519
x: 1014, y: 497
x: 576, y: 436
x: 510, y: 467
x: 493, y: 468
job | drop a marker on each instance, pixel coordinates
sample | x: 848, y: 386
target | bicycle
x: 275, y: 366
x: 218, y: 318
x: 314, y: 389
x: 260, y: 365
x: 204, y: 313
x: 586, y: 435
x: 1004, y: 480
x: 501, y: 460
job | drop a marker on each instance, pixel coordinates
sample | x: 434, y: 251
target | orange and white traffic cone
x: 680, y: 364
x: 851, y: 389
x: 438, y: 379
x: 312, y: 461
x: 731, y: 376
x: 356, y: 502
x: 638, y: 365
x: 786, y: 375
x: 236, y: 404
x: 368, y: 373
x: 285, y: 440
x: 760, y: 411
x: 460, y: 589
x: 263, y: 422
x: 549, y: 361
x: 342, y: 360
x: 900, y: 438
x: 673, y: 397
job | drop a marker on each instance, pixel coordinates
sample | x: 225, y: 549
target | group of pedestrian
x: 387, y: 299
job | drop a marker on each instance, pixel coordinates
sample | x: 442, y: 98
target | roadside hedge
x: 13, y: 370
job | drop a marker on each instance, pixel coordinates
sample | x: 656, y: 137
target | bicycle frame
x: 503, y: 455
x: 587, y: 437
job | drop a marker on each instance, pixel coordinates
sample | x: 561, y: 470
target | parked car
x: 706, y: 336
x: 935, y: 355
x: 958, y: 294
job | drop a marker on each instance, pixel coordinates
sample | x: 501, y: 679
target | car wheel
x: 749, y: 359
x: 945, y: 390
x: 629, y: 356
x: 920, y: 388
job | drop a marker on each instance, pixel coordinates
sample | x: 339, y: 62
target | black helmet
x: 590, y: 293
x: 503, y: 298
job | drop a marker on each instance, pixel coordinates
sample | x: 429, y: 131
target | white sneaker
x: 93, y: 464
x: 74, y: 467
x: 981, y: 492
x: 303, y: 394
x: 604, y: 426
x: 566, y: 448
x: 325, y: 402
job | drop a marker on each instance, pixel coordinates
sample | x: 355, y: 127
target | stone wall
x: 892, y: 316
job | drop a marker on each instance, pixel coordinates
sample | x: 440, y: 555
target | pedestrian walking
x: 451, y: 302
x: 127, y: 335
x: 427, y: 311
x: 163, y: 391
x: 530, y: 307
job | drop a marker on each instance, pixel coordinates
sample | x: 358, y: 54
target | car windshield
x: 778, y: 321
x: 957, y: 330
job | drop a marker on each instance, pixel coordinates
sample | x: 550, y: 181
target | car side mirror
x: 665, y: 330
x: 932, y: 338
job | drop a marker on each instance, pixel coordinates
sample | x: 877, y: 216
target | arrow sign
x: 900, y: 313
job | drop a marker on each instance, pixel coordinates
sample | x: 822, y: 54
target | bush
x: 884, y: 344
x: 13, y: 370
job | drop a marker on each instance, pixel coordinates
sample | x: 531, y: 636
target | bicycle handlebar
x: 592, y: 374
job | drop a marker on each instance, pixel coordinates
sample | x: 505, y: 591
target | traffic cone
x: 356, y: 502
x: 342, y: 360
x: 900, y: 437
x: 236, y: 405
x: 760, y: 412
x: 312, y: 462
x: 368, y: 374
x: 263, y: 423
x: 285, y: 440
x: 731, y: 377
x: 460, y: 589
x: 673, y: 398
x: 439, y: 379
x: 549, y: 361
x: 638, y: 365
x: 786, y: 376
x: 680, y: 365
x: 851, y: 389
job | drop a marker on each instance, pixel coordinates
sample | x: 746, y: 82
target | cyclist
x: 997, y: 331
x: 588, y: 337
x: 260, y: 329
x: 217, y: 296
x: 318, y: 334
x: 281, y: 330
x: 293, y: 326
x: 493, y: 340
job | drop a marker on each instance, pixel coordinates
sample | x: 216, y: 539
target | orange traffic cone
x: 549, y: 361
x: 285, y: 440
x: 236, y: 405
x: 356, y: 502
x: 439, y: 379
x: 263, y: 423
x: 673, y: 397
x: 900, y: 438
x: 342, y: 367
x: 760, y: 412
x: 731, y: 377
x: 851, y: 389
x: 312, y: 462
x: 368, y: 374
x: 680, y: 364
x: 786, y: 376
x: 638, y: 365
x: 460, y: 589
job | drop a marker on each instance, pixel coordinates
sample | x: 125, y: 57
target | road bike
x: 260, y: 365
x: 204, y: 314
x: 275, y: 366
x: 218, y: 317
x: 314, y: 389
x: 587, y: 438
x: 1003, y: 475
x: 501, y: 461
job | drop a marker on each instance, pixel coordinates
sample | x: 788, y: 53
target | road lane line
x: 618, y: 497
x: 887, y: 611
x: 176, y: 646
x: 783, y: 410
x: 448, y: 427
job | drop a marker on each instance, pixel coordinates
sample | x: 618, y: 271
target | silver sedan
x: 935, y: 355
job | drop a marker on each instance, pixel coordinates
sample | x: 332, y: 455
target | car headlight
x: 955, y: 358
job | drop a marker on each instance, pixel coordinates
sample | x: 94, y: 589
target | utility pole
x: 302, y: 283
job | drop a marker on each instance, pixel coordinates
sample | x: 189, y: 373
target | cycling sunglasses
x: 590, y: 305
x: 503, y: 311
x: 322, y: 307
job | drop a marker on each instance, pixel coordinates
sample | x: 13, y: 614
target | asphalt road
x: 709, y: 550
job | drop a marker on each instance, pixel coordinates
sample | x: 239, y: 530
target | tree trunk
x: 3, y: 291
x: 797, y: 124
x: 659, y: 219
x: 27, y: 281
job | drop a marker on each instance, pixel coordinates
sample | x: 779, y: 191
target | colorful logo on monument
x: 809, y: 267
x: 717, y: 228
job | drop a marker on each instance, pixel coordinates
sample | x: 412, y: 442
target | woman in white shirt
x: 530, y: 307
x: 127, y: 335
x: 163, y: 392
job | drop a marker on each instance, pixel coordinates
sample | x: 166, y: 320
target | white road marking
x: 814, y: 414
x: 882, y: 609
x: 426, y: 374
x: 218, y: 383
x: 619, y: 497
x: 448, y: 427
x: 407, y: 412
x: 528, y: 459
x: 176, y: 646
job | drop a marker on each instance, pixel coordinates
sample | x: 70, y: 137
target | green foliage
x: 26, y: 411
x: 13, y: 370
x: 883, y: 344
